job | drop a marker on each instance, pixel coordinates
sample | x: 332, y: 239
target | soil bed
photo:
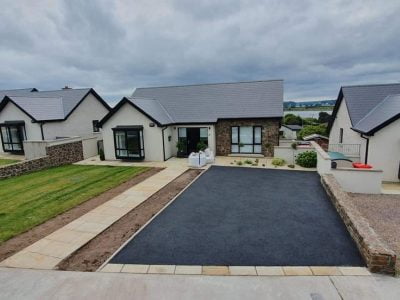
x: 31, y: 236
x: 91, y: 256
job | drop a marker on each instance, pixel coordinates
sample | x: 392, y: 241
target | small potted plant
x: 101, y: 154
x: 180, y: 145
x: 201, y: 146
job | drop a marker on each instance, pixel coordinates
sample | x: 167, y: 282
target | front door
x: 193, y: 138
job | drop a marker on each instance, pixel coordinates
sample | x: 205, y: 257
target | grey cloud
x: 115, y: 46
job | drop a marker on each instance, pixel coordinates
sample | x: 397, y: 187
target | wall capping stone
x: 378, y: 256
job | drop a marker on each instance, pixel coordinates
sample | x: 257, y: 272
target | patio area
x: 227, y: 161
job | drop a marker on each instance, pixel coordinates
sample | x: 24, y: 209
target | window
x: 128, y: 142
x: 12, y: 137
x: 182, y: 138
x: 204, y: 135
x: 246, y: 139
x: 341, y: 136
x: 95, y: 124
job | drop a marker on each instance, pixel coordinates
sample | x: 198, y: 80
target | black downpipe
x: 366, y: 149
x: 41, y: 130
x: 163, y: 143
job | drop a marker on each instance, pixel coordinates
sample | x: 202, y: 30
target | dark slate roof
x: 380, y: 115
x: 293, y: 127
x: 361, y: 99
x: 41, y: 108
x: 159, y: 113
x: 16, y: 92
x: 70, y: 97
x: 51, y: 105
x: 206, y: 103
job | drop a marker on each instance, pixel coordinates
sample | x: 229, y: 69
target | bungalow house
x: 48, y: 115
x: 290, y: 131
x: 157, y: 123
x: 368, y: 116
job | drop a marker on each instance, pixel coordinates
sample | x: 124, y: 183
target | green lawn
x: 4, y: 162
x: 31, y: 199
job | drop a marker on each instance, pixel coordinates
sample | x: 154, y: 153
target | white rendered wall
x: 365, y: 181
x: 288, y: 153
x: 128, y: 115
x: 169, y: 142
x: 13, y: 113
x: 384, y: 151
x: 79, y: 123
x: 342, y: 120
x: 288, y: 134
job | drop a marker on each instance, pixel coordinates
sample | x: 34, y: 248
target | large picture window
x: 128, y: 141
x: 246, y: 139
x: 12, y: 137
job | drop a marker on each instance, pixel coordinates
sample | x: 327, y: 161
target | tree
x: 310, y: 121
x: 324, y: 117
x: 311, y: 129
x: 291, y: 119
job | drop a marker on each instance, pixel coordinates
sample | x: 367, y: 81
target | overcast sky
x: 115, y: 46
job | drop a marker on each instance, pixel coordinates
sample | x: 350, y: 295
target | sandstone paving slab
x: 49, y: 251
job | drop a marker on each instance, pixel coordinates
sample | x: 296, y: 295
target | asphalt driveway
x: 250, y: 217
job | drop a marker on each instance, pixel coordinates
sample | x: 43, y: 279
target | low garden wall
x: 378, y: 256
x: 365, y: 181
x: 287, y: 152
x: 56, y: 155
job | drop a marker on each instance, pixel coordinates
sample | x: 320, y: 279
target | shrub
x: 294, y: 145
x: 291, y: 166
x: 201, y: 146
x: 248, y: 161
x: 307, y: 159
x: 278, y: 161
x: 239, y: 163
x: 311, y: 129
x: 291, y: 119
x: 310, y: 121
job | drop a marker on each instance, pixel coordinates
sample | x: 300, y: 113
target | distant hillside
x: 308, y: 104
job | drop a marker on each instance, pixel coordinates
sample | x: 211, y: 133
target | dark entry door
x: 193, y: 138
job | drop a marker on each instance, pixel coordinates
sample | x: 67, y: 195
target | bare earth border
x: 378, y: 256
x: 92, y: 255
x: 23, y: 240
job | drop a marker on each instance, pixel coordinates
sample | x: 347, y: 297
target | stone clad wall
x: 378, y: 256
x: 270, y: 134
x: 57, y: 155
x: 65, y: 153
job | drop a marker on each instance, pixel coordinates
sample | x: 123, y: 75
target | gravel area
x: 383, y: 215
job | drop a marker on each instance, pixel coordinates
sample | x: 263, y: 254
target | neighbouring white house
x: 290, y: 131
x: 32, y: 115
x: 157, y: 123
x: 367, y: 117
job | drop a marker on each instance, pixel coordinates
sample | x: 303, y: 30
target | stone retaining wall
x: 57, y: 155
x: 378, y: 256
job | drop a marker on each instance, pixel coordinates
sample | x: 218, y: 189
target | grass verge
x: 4, y: 162
x: 31, y: 199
